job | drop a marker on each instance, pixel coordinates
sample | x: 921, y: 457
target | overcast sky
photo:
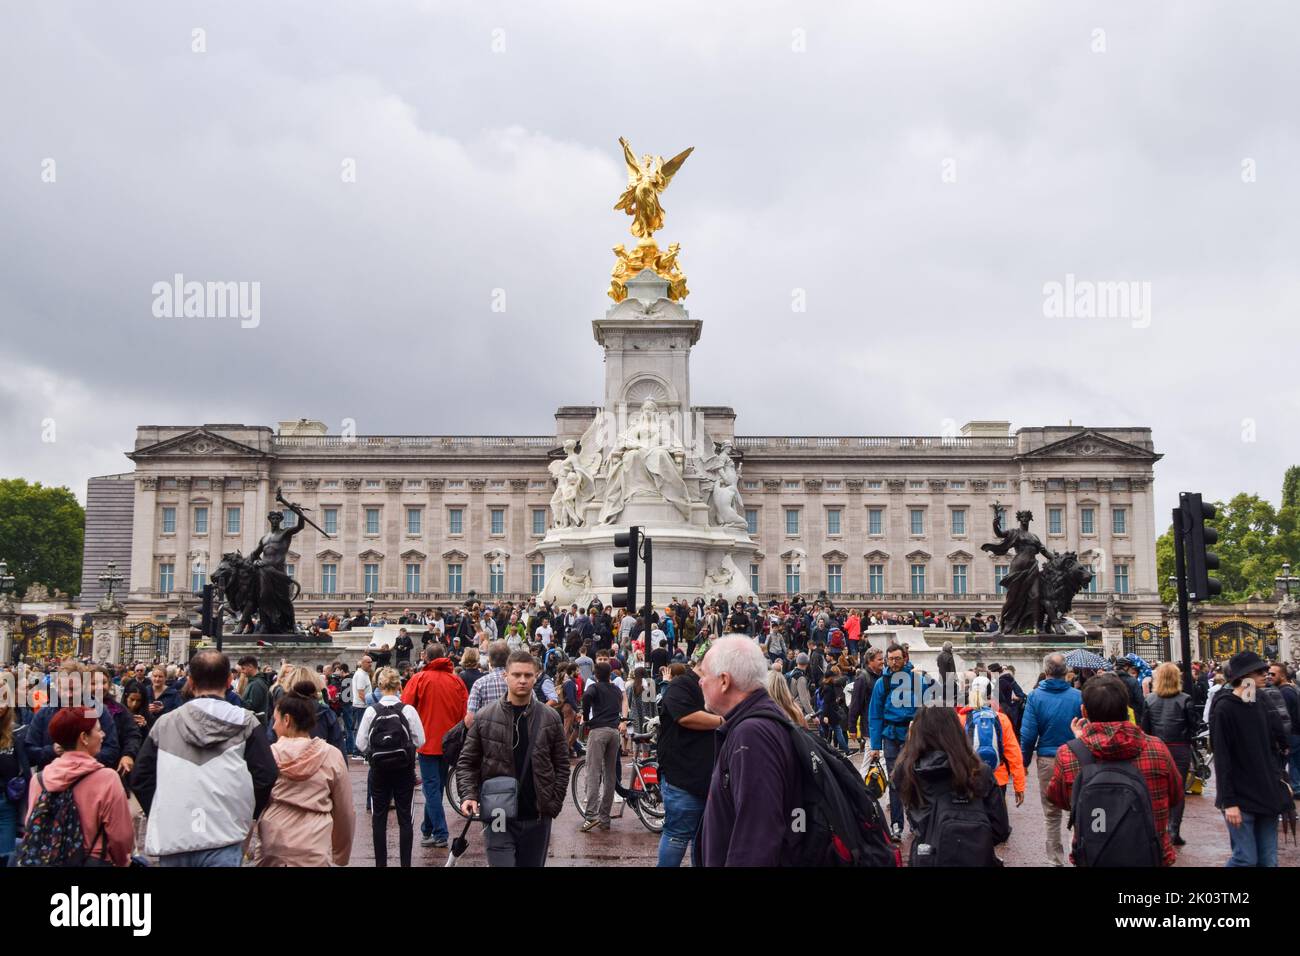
x: 484, y: 138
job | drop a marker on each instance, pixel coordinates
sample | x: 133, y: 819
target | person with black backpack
x: 388, y: 736
x: 949, y: 793
x: 1117, y: 783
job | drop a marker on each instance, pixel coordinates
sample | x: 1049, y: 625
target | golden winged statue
x: 646, y: 179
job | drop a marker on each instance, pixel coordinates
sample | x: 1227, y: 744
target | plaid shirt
x: 488, y: 688
x: 1121, y: 740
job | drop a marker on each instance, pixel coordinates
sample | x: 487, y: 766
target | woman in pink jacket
x: 96, y: 789
x: 310, y: 819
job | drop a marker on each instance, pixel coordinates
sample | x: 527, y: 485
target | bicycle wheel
x: 453, y: 793
x: 649, y: 807
x: 578, y: 786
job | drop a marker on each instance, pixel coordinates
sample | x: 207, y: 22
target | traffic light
x: 1196, y: 540
x: 625, y: 581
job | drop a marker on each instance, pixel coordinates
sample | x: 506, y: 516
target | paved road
x: 628, y: 843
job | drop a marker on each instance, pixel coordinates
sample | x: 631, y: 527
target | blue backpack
x: 984, y: 730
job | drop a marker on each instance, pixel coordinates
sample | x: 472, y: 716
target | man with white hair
x: 756, y: 784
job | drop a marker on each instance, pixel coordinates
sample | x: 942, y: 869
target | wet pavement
x: 629, y: 843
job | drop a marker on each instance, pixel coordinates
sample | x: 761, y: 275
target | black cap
x: 1247, y: 662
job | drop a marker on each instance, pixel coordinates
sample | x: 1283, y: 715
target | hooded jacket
x: 893, y: 704
x: 310, y: 819
x: 440, y: 698
x: 1046, y: 722
x: 203, y: 776
x: 100, y: 801
x: 39, y: 747
x: 1122, y: 740
x: 934, y: 776
x: 756, y: 786
x: 1012, y: 766
x: 1246, y: 773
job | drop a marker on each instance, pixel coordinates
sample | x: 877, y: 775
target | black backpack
x: 843, y: 824
x: 389, y: 746
x: 957, y: 833
x: 1112, y: 806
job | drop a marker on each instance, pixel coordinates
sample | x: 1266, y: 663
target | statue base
x: 275, y: 639
x: 689, y: 562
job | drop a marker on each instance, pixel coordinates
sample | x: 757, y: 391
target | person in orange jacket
x: 1012, y: 766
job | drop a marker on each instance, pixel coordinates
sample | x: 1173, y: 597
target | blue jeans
x: 435, y: 818
x: 231, y: 855
x: 892, y: 749
x: 1293, y: 764
x: 8, y: 825
x: 682, y: 813
x: 351, y: 719
x: 1254, y: 843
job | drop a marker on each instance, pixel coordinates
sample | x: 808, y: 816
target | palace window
x: 169, y: 520
x: 918, y: 520
x: 959, y: 521
x: 538, y: 573
x: 959, y: 579
x: 1092, y: 585
x: 916, y: 485
x: 498, y: 521
x: 751, y: 520
x: 957, y: 485
x: 288, y: 519
x: 833, y: 521
x: 414, y: 483
x: 198, y: 577
x: 539, y: 524
x: 792, y: 579
x: 1087, y: 524
x: 201, y: 520
x: 371, y: 579
x: 232, y: 520
x: 496, y: 484
x: 413, y: 520
x: 497, y: 578
x: 372, y: 482
x: 875, y: 520
x: 834, y: 579
x: 918, y: 579
x: 791, y: 520
x: 999, y: 486
x: 875, y: 484
x: 455, y: 522
x: 999, y: 572
x: 166, y: 577
x: 331, y: 522
x: 329, y: 578
x: 1121, y: 579
x: 412, y: 579
x: 372, y: 521
x: 1055, y: 484
x: 753, y: 578
x: 330, y: 483
x: 792, y: 486
x: 1119, y: 521
x: 1053, y: 520
x: 876, y: 579
x: 454, y: 578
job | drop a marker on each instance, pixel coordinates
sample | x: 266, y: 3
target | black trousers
x: 399, y: 787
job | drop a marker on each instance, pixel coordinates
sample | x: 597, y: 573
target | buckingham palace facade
x: 421, y: 520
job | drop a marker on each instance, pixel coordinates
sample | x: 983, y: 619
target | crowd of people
x: 215, y: 763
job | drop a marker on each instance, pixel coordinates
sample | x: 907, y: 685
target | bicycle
x: 1198, y: 774
x: 642, y: 793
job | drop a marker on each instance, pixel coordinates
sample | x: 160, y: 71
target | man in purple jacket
x: 750, y: 815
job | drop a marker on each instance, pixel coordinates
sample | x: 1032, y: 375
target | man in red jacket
x: 439, y: 697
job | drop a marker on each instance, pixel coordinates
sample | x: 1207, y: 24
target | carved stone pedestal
x: 106, y: 642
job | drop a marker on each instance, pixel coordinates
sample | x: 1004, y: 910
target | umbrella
x: 1144, y: 669
x: 459, y: 845
x: 1079, y: 659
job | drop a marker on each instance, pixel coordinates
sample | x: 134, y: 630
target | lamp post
x: 1285, y: 578
x: 370, y: 608
x: 110, y: 579
x: 6, y: 579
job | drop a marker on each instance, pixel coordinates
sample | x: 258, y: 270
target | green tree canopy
x: 41, y: 535
x: 1254, y: 541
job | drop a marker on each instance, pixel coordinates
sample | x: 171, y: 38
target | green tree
x: 1291, y: 487
x: 41, y: 535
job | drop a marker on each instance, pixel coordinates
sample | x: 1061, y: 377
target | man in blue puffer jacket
x: 894, y: 702
x: 1051, y: 707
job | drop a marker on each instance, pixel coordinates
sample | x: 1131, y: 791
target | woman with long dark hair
x: 952, y: 802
